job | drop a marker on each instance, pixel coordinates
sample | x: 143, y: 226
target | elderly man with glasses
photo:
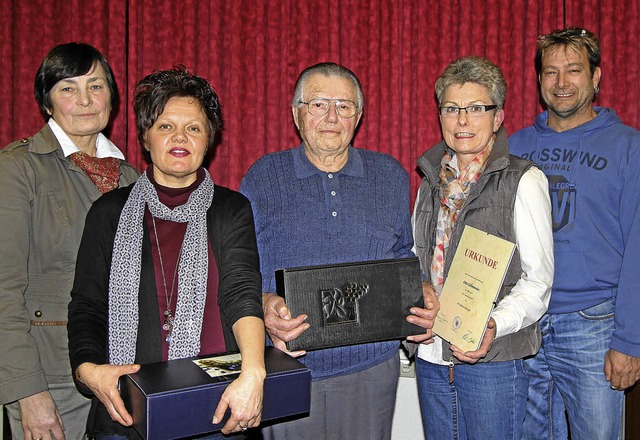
x: 328, y: 202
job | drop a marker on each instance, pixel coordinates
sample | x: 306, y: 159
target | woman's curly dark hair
x: 154, y: 91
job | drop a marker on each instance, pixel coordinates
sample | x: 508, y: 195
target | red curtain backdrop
x: 29, y: 29
x: 252, y: 51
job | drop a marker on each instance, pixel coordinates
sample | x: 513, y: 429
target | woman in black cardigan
x: 168, y: 268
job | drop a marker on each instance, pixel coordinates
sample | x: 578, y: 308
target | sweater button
x: 38, y: 313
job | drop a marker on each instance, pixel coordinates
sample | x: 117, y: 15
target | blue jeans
x: 485, y: 401
x: 568, y: 373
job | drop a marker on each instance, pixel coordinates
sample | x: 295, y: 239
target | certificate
x: 471, y: 288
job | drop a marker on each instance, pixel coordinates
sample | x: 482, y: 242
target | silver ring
x: 614, y: 388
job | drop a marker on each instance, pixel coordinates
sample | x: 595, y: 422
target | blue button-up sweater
x: 305, y: 216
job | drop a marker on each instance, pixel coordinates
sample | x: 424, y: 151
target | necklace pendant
x: 167, y: 325
x: 168, y: 321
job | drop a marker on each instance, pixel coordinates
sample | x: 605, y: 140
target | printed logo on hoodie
x: 562, y: 188
x: 563, y: 201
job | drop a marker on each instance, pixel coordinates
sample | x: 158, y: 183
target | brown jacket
x: 44, y: 198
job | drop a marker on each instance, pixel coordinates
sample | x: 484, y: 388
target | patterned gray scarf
x: 124, y: 279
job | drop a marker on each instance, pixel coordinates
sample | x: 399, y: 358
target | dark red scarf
x: 104, y: 172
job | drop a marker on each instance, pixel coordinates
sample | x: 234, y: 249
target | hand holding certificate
x: 472, y: 285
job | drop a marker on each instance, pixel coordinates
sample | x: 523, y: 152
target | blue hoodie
x: 594, y: 184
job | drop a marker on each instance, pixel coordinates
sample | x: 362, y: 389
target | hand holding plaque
x: 472, y: 285
x: 280, y: 325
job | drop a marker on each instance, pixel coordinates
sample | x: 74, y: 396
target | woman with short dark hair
x: 48, y: 183
x: 168, y: 268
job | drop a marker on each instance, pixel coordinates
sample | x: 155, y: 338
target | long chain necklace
x: 168, y: 314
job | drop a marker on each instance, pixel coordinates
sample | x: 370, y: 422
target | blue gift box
x: 177, y: 398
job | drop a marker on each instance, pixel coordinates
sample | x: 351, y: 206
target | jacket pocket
x: 572, y: 274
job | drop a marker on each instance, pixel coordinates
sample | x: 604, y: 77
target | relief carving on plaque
x: 340, y: 306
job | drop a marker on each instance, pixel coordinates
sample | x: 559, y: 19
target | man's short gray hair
x: 329, y: 70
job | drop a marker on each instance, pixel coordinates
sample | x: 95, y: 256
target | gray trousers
x: 358, y: 406
x: 72, y: 406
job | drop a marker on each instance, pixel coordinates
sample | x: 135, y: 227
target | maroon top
x: 171, y: 235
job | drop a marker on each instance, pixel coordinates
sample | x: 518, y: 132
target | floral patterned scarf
x: 453, y: 195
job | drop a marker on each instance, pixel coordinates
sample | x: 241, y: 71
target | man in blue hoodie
x: 591, y: 333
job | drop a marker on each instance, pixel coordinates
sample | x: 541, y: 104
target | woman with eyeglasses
x: 471, y: 179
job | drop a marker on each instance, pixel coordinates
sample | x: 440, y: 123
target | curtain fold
x: 253, y: 50
x: 616, y: 24
x: 29, y: 29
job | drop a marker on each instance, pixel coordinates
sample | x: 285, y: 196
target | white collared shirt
x: 104, y: 147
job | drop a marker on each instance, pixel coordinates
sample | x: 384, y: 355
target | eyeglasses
x: 473, y: 111
x: 320, y: 107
